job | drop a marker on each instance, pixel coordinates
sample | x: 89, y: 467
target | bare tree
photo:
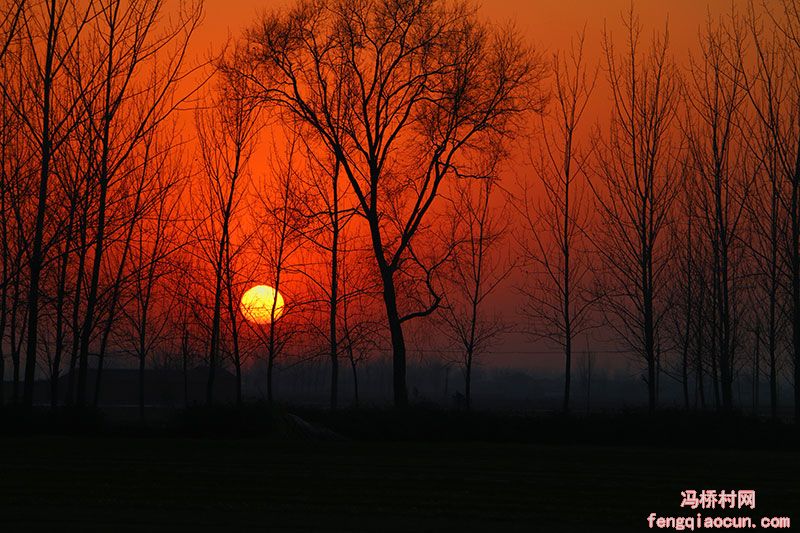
x: 232, y: 287
x: 227, y: 134
x: 637, y: 181
x: 14, y: 184
x: 280, y: 237
x: 773, y: 89
x: 327, y: 207
x: 361, y: 330
x: 121, y: 111
x: 477, y: 270
x: 587, y: 369
x: 422, y: 84
x: 148, y: 178
x: 716, y: 140
x: 186, y: 335
x: 74, y: 191
x: 552, y: 240
x: 764, y: 90
x: 51, y: 32
x: 686, y: 288
x: 155, y: 242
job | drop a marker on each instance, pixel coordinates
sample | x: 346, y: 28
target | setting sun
x: 257, y: 304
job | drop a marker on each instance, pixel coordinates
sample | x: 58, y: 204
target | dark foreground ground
x: 283, y: 481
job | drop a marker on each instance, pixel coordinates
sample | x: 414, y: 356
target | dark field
x: 124, y: 483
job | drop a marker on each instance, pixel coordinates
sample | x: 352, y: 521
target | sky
x: 549, y: 25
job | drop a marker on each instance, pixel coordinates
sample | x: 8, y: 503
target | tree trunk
x: 795, y: 288
x: 649, y: 344
x: 3, y: 291
x: 334, y: 345
x: 141, y: 387
x: 16, y: 345
x: 270, y: 365
x: 55, y: 368
x: 567, y: 366
x: 398, y: 341
x: 773, y: 297
x: 215, y: 333
x: 688, y: 323
x: 334, y: 301
x: 114, y: 302
x: 355, y: 378
x: 237, y: 361
x: 37, y: 258
x: 91, y: 299
x: 567, y: 273
x: 699, y: 376
x: 468, y: 381
x: 756, y: 368
x: 3, y: 320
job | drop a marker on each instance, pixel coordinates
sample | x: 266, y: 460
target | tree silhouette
x: 476, y: 272
x: 637, y: 181
x: 716, y: 141
x: 557, y: 292
x: 226, y: 133
x: 48, y: 120
x: 418, y: 86
x: 773, y: 89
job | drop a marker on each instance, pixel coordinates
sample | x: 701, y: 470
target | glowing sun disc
x: 257, y: 302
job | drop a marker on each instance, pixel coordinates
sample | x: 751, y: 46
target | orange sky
x: 549, y: 24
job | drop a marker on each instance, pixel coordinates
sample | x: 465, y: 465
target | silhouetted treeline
x: 353, y: 155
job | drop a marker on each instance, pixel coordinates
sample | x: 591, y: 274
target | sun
x: 257, y: 304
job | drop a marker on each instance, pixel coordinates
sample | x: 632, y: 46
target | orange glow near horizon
x: 257, y: 303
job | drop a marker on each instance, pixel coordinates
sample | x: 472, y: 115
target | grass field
x: 122, y: 483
